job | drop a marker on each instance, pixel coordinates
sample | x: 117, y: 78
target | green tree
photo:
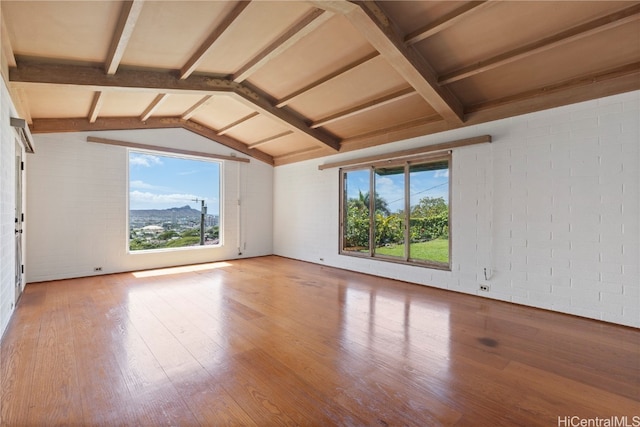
x: 429, y: 206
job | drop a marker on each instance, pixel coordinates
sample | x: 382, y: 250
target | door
x: 19, y: 218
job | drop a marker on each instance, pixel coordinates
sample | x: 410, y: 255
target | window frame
x: 176, y: 155
x: 406, y: 163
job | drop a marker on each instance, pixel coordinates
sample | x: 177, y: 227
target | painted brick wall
x: 7, y: 210
x: 78, y: 206
x: 551, y: 209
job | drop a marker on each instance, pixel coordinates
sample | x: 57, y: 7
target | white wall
x: 7, y: 207
x: 77, y: 199
x: 551, y: 208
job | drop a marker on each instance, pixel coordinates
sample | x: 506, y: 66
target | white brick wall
x: 551, y: 208
x: 6, y: 211
x: 7, y: 208
x: 77, y: 206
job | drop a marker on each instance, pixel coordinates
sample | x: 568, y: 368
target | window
x: 174, y: 202
x: 383, y: 206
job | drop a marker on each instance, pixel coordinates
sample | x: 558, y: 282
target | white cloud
x: 161, y: 199
x: 141, y: 184
x: 146, y: 160
x: 191, y: 172
x: 392, y: 192
x: 441, y: 173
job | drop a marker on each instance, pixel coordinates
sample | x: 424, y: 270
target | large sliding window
x: 174, y: 201
x: 397, y: 212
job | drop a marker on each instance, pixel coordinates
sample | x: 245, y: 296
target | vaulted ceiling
x: 293, y: 80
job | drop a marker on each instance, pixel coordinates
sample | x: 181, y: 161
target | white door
x: 19, y: 218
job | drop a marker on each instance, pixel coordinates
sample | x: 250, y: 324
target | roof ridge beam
x: 376, y: 27
x: 34, y: 73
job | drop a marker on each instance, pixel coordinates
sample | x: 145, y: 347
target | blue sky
x: 162, y: 182
x: 391, y: 187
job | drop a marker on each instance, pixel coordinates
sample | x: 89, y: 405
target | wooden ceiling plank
x: 377, y: 28
x: 124, y: 29
x: 407, y: 130
x: 309, y: 23
x: 289, y: 98
x: 22, y: 103
x: 153, y: 106
x: 269, y: 139
x: 190, y: 66
x: 211, y: 134
x: 195, y: 107
x: 7, y: 49
x: 595, y: 26
x: 96, y: 105
x: 367, y: 106
x: 230, y: 126
x: 570, y: 88
x: 444, y: 22
x: 124, y: 123
x: 41, y: 73
x: 286, y: 118
x: 442, y: 146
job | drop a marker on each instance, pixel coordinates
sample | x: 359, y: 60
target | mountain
x: 181, y: 212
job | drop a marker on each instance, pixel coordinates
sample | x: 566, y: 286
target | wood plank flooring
x: 273, y: 341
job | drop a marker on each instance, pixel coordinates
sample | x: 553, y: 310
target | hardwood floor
x: 271, y: 341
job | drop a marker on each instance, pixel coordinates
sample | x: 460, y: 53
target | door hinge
x: 22, y: 268
x: 22, y: 217
x: 21, y: 166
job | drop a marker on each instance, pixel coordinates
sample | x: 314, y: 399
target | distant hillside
x: 168, y: 214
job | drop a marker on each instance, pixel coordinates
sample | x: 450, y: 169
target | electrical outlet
x: 484, y: 288
x: 97, y: 269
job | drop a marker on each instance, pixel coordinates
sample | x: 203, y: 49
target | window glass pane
x: 174, y: 202
x: 389, y: 211
x: 356, y: 211
x: 429, y: 221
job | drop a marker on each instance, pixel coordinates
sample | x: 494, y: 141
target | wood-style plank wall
x: 271, y: 341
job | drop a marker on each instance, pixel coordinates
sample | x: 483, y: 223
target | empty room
x: 320, y: 213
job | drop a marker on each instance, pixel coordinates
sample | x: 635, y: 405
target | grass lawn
x: 434, y: 250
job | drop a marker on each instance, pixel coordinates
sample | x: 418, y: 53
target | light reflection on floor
x: 417, y: 330
x: 181, y: 269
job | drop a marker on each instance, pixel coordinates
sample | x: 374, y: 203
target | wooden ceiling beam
x: 126, y: 123
x: 55, y: 75
x: 286, y: 118
x: 155, y: 104
x: 269, y: 139
x: 444, y: 22
x: 289, y: 98
x: 377, y: 28
x: 124, y: 29
x: 309, y: 23
x: 625, y: 78
x: 595, y: 26
x: 139, y: 146
x: 195, y: 107
x: 230, y: 126
x: 190, y: 66
x: 367, y: 106
x: 96, y: 105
